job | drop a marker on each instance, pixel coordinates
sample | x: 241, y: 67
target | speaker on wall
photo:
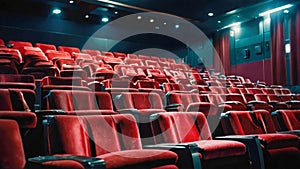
x: 246, y: 53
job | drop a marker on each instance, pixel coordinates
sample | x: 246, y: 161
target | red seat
x: 287, y: 120
x: 2, y: 43
x: 54, y: 55
x: 192, y: 128
x: 44, y: 47
x: 17, y: 81
x: 120, y: 55
x: 277, y: 148
x: 132, y: 56
x: 13, y: 151
x: 142, y: 105
x: 69, y: 49
x: 19, y: 45
x: 88, y: 136
x: 13, y: 53
x: 133, y: 62
x: 78, y: 102
x: 108, y: 54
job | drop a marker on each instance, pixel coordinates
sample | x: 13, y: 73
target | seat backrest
x: 68, y: 81
x: 88, y: 135
x: 15, y: 54
x: 108, y: 54
x: 136, y: 62
x: 240, y: 123
x: 235, y: 97
x: 288, y: 119
x: 20, y: 45
x: 70, y: 100
x: 11, y: 146
x: 120, y: 55
x: 132, y: 56
x: 103, y: 101
x: 92, y: 52
x: 147, y: 84
x: 44, y: 47
x: 138, y: 100
x: 53, y: 54
x: 268, y: 90
x: 254, y: 90
x: 262, y: 97
x: 265, y: 120
x: 179, y: 127
x: 69, y: 49
x: 180, y: 98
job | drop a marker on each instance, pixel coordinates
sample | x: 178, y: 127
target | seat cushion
x: 149, y: 157
x: 274, y: 140
x: 211, y: 149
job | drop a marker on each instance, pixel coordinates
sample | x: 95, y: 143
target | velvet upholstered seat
x: 192, y: 127
x: 114, y: 138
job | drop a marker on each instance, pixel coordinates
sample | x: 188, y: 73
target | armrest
x: 253, y: 146
x: 188, y: 153
x: 174, y: 107
x: 50, y: 112
x: 73, y: 112
x: 295, y: 132
x: 86, y: 162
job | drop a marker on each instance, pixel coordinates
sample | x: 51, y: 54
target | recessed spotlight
x: 116, y: 12
x: 56, y: 11
x: 286, y: 11
x: 151, y: 20
x: 165, y: 23
x: 238, y: 16
x: 105, y: 19
x: 210, y: 14
x: 219, y: 21
x: 139, y: 17
x: 176, y: 26
x: 71, y: 1
x: 87, y: 16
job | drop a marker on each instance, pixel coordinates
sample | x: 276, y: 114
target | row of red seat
x: 168, y: 128
x: 126, y: 122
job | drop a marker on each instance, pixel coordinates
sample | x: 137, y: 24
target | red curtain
x: 221, y: 43
x: 278, y: 61
x: 295, y: 48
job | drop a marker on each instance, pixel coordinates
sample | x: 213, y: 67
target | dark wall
x: 57, y: 31
x: 250, y: 50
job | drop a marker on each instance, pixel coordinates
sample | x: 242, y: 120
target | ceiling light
x: 157, y: 27
x: 139, y: 17
x: 210, y: 14
x: 176, y: 26
x: 87, y: 16
x: 116, y: 12
x: 151, y: 20
x: 71, y: 1
x: 56, y: 11
x: 219, y: 21
x: 165, y: 23
x: 286, y: 11
x: 276, y: 9
x: 105, y: 19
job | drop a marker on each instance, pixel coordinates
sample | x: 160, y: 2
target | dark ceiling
x: 195, y: 11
